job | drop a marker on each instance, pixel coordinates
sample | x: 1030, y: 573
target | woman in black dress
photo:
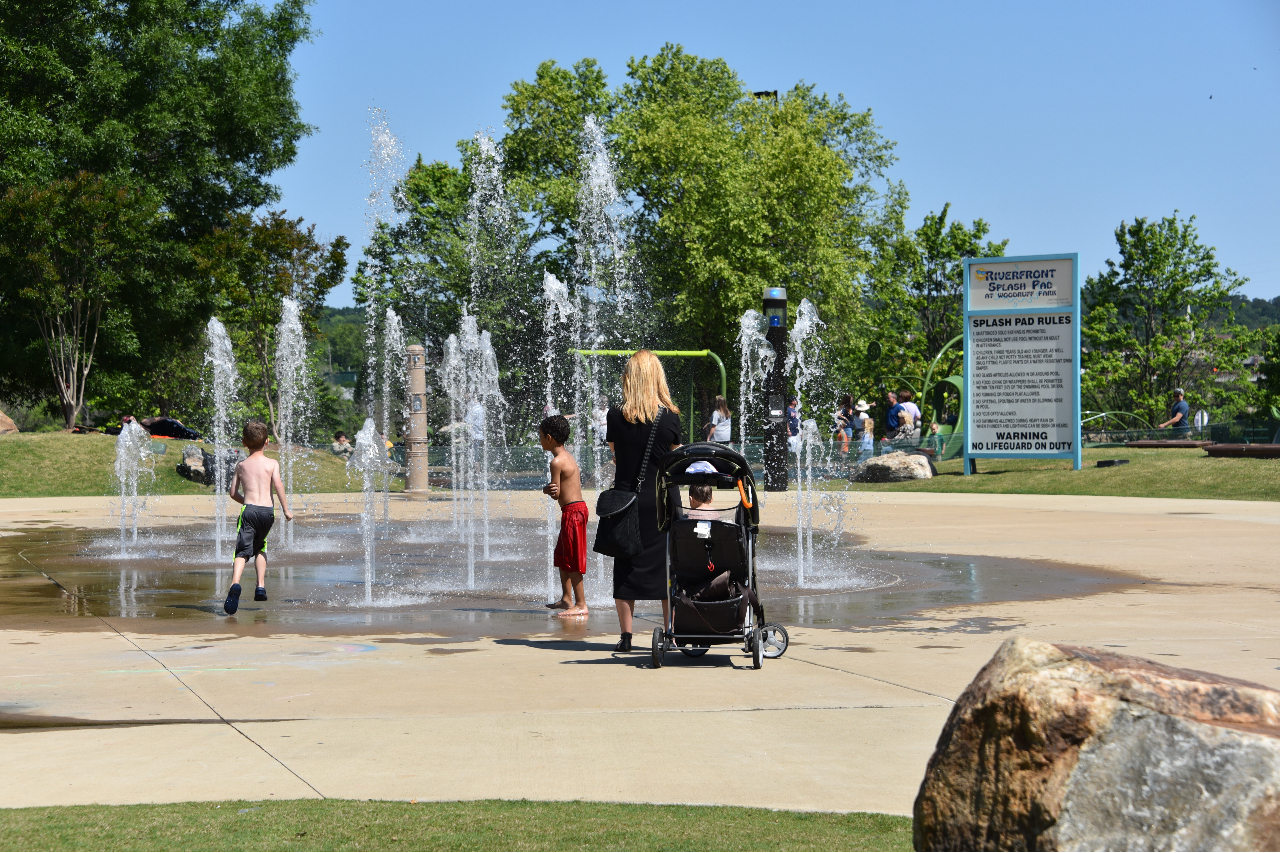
x: 644, y: 390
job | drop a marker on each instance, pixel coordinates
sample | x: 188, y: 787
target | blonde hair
x: 722, y: 405
x: 644, y: 388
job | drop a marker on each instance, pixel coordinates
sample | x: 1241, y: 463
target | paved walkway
x: 845, y: 721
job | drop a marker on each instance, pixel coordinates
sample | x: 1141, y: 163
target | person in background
x: 474, y: 419
x: 901, y: 420
x: 905, y: 400
x: 1179, y: 415
x: 863, y: 430
x: 891, y: 422
x: 721, y: 427
x: 600, y: 418
x: 341, y: 447
x: 844, y: 422
x: 793, y: 425
x: 934, y: 440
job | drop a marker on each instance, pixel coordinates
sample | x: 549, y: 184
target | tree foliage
x: 739, y: 194
x: 191, y: 99
x: 913, y: 301
x: 725, y: 195
x: 260, y: 262
x: 188, y: 104
x: 1161, y: 318
x: 74, y: 258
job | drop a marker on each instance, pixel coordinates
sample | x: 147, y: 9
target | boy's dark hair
x: 555, y: 428
x: 701, y: 494
x: 254, y: 435
x: 339, y: 434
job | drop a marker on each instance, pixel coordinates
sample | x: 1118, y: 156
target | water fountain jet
x: 370, y: 459
x: 294, y: 383
x: 225, y: 383
x: 133, y: 452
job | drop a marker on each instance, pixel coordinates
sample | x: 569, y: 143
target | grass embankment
x: 480, y: 825
x: 1149, y: 474
x: 59, y: 464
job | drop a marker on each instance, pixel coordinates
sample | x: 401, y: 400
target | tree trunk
x: 70, y: 340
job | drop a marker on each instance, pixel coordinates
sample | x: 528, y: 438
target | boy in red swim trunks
x: 566, y: 487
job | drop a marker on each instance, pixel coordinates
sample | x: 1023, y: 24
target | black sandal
x: 624, y: 645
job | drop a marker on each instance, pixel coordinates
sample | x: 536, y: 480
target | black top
x: 628, y: 445
x: 643, y: 576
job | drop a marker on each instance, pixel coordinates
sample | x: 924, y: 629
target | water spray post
x: 775, y: 391
x: 416, y: 444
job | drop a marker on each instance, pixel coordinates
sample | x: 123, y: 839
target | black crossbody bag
x: 618, y: 511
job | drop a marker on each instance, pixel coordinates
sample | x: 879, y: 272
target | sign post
x: 1022, y: 358
x: 775, y: 392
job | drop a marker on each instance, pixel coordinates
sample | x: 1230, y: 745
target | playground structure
x: 949, y: 441
x: 699, y: 353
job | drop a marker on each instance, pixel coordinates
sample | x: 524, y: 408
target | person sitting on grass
x: 257, y: 476
x: 566, y: 487
x: 341, y: 447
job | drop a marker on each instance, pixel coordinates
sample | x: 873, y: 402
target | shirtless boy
x: 257, y: 476
x: 566, y: 487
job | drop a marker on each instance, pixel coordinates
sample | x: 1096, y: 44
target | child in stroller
x: 711, y: 577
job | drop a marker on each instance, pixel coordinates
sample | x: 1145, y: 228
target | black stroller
x: 711, y: 577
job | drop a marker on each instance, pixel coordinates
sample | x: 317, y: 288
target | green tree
x: 1269, y: 378
x: 192, y: 99
x: 1162, y: 318
x: 545, y: 118
x: 74, y: 257
x: 262, y: 261
x: 724, y: 194
x: 190, y: 104
x: 913, y: 300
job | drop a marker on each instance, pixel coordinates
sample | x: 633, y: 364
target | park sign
x: 1022, y: 358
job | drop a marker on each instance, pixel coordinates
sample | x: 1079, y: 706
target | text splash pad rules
x: 1022, y: 358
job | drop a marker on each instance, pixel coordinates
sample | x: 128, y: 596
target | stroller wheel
x: 694, y: 651
x: 659, y: 647
x: 775, y: 639
x: 757, y: 648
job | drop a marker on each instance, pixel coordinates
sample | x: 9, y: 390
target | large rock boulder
x: 892, y: 468
x: 7, y: 425
x: 1055, y: 747
x: 193, y: 467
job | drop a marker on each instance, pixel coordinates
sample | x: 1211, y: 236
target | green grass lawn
x: 56, y: 464
x: 1149, y: 474
x: 479, y: 825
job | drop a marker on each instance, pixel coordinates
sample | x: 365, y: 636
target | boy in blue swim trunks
x: 256, y: 476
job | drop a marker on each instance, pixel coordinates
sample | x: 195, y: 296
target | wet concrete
x: 168, y: 583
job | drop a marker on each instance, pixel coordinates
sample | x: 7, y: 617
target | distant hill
x: 1256, y: 313
x: 343, y: 342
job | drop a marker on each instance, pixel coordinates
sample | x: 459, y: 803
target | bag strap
x: 648, y: 449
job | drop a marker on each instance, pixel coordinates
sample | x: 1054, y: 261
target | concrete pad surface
x: 846, y: 721
x: 140, y: 764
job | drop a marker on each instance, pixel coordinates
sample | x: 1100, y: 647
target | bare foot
x: 559, y: 605
x: 573, y: 611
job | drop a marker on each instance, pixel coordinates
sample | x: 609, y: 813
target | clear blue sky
x: 1053, y: 122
